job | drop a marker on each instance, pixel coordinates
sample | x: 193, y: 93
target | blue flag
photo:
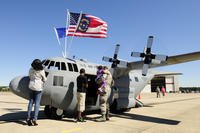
x: 61, y: 32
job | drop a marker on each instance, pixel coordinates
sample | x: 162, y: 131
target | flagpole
x: 68, y: 21
x: 59, y: 41
x: 79, y: 19
x: 66, y: 33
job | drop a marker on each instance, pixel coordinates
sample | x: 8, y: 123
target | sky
x: 27, y: 32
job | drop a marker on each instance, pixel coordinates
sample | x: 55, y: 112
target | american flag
x: 85, y: 25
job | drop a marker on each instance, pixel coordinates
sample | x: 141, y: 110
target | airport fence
x: 190, y: 89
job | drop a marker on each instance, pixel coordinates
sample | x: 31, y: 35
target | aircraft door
x: 91, y: 94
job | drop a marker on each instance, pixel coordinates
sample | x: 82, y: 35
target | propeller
x: 114, y: 60
x: 148, y: 56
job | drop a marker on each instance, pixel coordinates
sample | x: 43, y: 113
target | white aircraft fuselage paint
x: 60, y: 88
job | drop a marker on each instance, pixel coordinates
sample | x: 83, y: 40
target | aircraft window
x: 58, y: 81
x: 70, y: 66
x: 46, y: 62
x: 75, y: 67
x: 136, y: 79
x: 58, y: 65
x: 51, y: 64
x: 43, y: 61
x: 63, y: 66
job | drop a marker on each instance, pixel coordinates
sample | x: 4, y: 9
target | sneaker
x: 81, y: 120
x: 29, y: 123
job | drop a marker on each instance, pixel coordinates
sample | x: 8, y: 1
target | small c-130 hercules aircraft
x: 59, y: 94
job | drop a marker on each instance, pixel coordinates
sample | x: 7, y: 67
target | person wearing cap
x: 104, y: 105
x: 82, y: 85
x: 37, y: 79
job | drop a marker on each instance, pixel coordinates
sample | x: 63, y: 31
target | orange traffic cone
x: 139, y: 96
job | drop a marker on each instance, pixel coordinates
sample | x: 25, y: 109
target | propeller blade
x: 161, y: 57
x: 145, y: 69
x: 136, y: 54
x: 149, y: 42
x: 116, y: 51
x: 107, y: 59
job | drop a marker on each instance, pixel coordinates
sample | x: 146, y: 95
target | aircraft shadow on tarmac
x: 20, y: 117
x: 17, y: 117
x: 146, y: 118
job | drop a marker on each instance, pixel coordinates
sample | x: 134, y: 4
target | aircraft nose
x: 19, y: 86
x: 14, y: 85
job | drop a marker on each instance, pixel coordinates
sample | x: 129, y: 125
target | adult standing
x: 163, y: 90
x: 82, y: 85
x: 104, y: 105
x: 37, y: 79
x: 158, y: 91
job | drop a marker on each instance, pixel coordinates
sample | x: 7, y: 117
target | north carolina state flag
x: 84, y: 25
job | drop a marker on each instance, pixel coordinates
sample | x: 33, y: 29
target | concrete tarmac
x: 174, y: 113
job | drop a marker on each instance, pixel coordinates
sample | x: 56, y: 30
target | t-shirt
x: 81, y: 83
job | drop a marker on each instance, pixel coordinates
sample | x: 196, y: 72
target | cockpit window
x: 46, y: 62
x: 43, y: 61
x: 75, y: 67
x: 63, y: 66
x: 70, y: 66
x: 51, y: 64
x: 58, y: 65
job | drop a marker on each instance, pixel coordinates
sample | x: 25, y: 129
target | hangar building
x: 167, y: 79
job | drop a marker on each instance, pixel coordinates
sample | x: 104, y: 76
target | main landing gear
x: 53, y: 113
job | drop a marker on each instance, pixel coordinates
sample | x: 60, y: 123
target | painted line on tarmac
x: 71, y: 130
x: 77, y: 129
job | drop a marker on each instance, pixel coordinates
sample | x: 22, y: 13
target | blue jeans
x: 34, y: 98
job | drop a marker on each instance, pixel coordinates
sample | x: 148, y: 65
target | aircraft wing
x: 170, y: 61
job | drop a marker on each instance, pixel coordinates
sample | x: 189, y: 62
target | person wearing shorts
x: 82, y: 84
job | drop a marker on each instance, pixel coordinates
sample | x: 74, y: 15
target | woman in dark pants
x: 37, y: 79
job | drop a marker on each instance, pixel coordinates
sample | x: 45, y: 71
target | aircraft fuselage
x: 60, y: 88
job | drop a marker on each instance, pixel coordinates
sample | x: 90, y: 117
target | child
x: 100, y: 80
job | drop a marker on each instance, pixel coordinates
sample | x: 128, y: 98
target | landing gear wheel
x: 56, y: 113
x: 53, y: 113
